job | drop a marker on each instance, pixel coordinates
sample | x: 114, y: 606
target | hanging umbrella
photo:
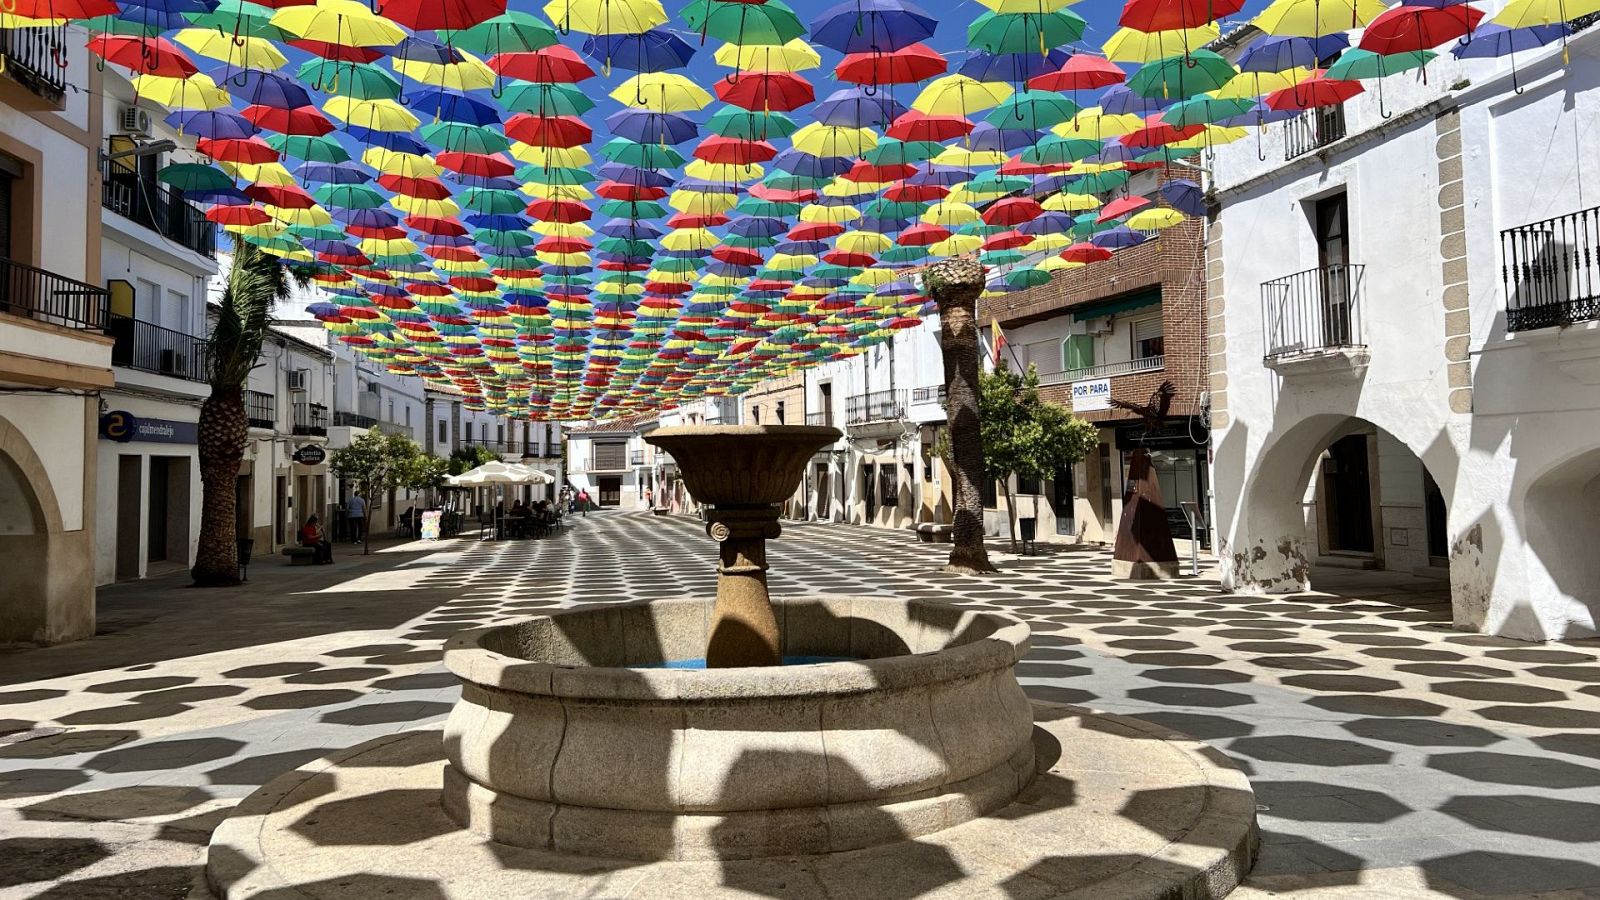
x: 649, y: 51
x: 1130, y: 46
x: 1277, y: 54
x: 771, y: 23
x: 245, y: 52
x: 908, y: 64
x: 958, y: 96
x: 1169, y: 15
x: 795, y: 56
x: 1492, y: 41
x: 1318, y: 90
x: 1182, y: 77
x: 1205, y: 109
x: 1082, y: 72
x: 1024, y: 32
x: 427, y: 15
x: 1360, y: 63
x: 606, y: 16
x: 1032, y: 110
x: 347, y: 23
x: 60, y: 9
x: 665, y: 92
x: 765, y: 91
x: 512, y: 31
x: 1314, y: 18
x: 1411, y: 29
x: 859, y: 26
x: 1184, y: 196
x: 149, y: 55
x: 194, y: 92
x: 1536, y: 13
x: 359, y: 80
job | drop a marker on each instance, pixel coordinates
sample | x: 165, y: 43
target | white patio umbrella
x: 493, y: 473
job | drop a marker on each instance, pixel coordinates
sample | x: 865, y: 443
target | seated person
x: 311, y: 535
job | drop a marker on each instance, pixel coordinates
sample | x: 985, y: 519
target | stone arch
x: 26, y: 469
x: 1270, y: 550
x: 1561, y: 523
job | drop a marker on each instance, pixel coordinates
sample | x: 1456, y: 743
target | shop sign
x: 1091, y: 395
x: 310, y: 455
x: 123, y: 427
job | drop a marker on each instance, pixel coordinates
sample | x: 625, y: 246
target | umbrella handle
x: 1381, y: 109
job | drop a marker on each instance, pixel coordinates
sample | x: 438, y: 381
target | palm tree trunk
x: 954, y: 285
x: 223, y: 432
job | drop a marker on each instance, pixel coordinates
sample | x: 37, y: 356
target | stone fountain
x: 701, y: 744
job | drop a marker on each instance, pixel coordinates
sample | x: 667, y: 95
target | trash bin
x: 246, y: 546
x: 1028, y: 529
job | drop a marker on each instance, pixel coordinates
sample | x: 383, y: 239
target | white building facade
x: 1406, y: 341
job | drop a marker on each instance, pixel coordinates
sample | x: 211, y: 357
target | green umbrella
x: 555, y: 175
x: 1027, y: 278
x: 755, y: 206
x: 1056, y: 151
x: 677, y: 266
x: 509, y: 32
x: 1203, y: 110
x: 317, y: 233
x: 771, y: 23
x: 1032, y: 110
x: 998, y: 33
x: 120, y: 26
x: 1182, y: 77
x: 492, y: 201
x: 309, y: 148
x: 732, y: 122
x: 641, y: 156
x: 632, y: 209
x: 992, y: 182
x: 1167, y: 154
x: 502, y: 240
x: 893, y: 152
x: 894, y: 209
x: 1098, y: 183
x: 783, y: 181
x: 904, y: 254
x: 240, y: 18
x: 1355, y: 63
x: 543, y: 99
x: 349, y: 196
x: 349, y: 79
x: 625, y: 247
x: 463, y: 138
x: 1000, y: 257
x: 753, y: 242
x: 194, y: 177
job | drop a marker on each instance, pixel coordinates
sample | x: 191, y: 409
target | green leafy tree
x: 426, y: 474
x: 374, y: 464
x: 467, y: 458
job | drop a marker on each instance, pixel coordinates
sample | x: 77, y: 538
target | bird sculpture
x: 1154, y: 410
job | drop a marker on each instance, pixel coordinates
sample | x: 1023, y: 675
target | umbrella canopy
x: 491, y: 473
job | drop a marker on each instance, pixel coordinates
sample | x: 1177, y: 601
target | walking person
x: 356, y: 513
x: 583, y: 502
x: 311, y: 535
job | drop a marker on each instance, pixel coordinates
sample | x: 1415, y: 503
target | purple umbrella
x: 1184, y: 196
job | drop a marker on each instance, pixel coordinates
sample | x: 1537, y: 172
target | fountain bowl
x: 559, y: 742
x: 742, y: 465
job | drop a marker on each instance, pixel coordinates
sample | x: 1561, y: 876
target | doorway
x: 823, y: 494
x: 869, y: 494
x: 1063, y: 501
x: 1435, y: 515
x: 244, y: 507
x: 280, y: 508
x: 610, y: 489
x: 129, y: 494
x: 1347, y: 495
x: 1333, y: 257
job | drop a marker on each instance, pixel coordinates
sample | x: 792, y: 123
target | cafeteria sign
x: 310, y: 455
x: 1088, y: 396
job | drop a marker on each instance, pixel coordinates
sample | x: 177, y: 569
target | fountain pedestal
x: 745, y: 630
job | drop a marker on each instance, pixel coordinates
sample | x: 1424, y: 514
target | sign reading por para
x: 1091, y: 395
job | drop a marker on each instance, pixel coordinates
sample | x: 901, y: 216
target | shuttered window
x: 1148, y: 338
x: 610, y: 456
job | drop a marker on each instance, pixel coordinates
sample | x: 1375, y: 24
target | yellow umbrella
x: 557, y: 191
x: 387, y: 247
x: 948, y: 213
x: 689, y: 239
x: 470, y: 74
x: 1315, y: 18
x: 623, y: 288
x: 665, y: 92
x: 263, y: 173
x: 699, y: 203
x: 1096, y: 124
x: 314, y: 216
x: 791, y: 261
x: 242, y: 51
x: 420, y: 206
x: 379, y: 115
x: 1024, y: 7
x: 1127, y: 45
x: 606, y: 16
x: 844, y: 187
x: 722, y: 281
x: 958, y: 95
x: 795, y: 56
x: 868, y: 242
x: 1155, y: 219
x: 395, y: 162
x: 966, y: 158
x: 346, y: 22
x: 1049, y: 242
x: 874, y: 277
x: 556, y: 157
x: 1527, y: 13
x: 1250, y: 85
x: 264, y: 230
x: 818, y: 139
x: 724, y: 172
x: 9, y: 21
x: 832, y: 215
x: 562, y: 229
x: 1212, y: 136
x: 195, y: 92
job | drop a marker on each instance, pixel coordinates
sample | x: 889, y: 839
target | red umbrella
x: 362, y: 232
x: 1120, y: 207
x: 916, y: 126
x: 238, y: 214
x: 737, y: 256
x: 247, y: 150
x: 684, y: 220
x: 563, y: 245
x: 149, y: 55
x: 616, y: 190
x: 1083, y: 252
x: 1083, y: 72
x: 1408, y: 29
x: 1313, y: 92
x: 61, y: 9
x: 1168, y: 15
x: 427, y: 15
x: 429, y: 289
x: 913, y: 62
x: 736, y: 151
x: 434, y: 225
x: 1012, y: 211
x: 766, y: 91
x: 280, y: 4
x: 559, y: 211
x: 922, y: 235
x: 864, y: 171
x: 767, y: 192
x: 915, y: 193
x: 423, y: 188
x: 556, y: 63
x: 482, y: 165
x: 549, y: 131
x: 853, y: 260
x: 1007, y: 240
x: 307, y: 120
x: 1157, y: 133
x: 337, y: 51
x: 1015, y: 166
x: 815, y: 231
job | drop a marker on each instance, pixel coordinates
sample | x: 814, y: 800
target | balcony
x: 1551, y: 271
x: 820, y: 418
x: 47, y: 297
x: 151, y: 348
x: 878, y: 406
x: 37, y: 59
x: 502, y: 448
x: 311, y: 419
x: 1312, y: 130
x: 636, y: 458
x: 159, y: 209
x: 342, y: 419
x: 1312, y: 320
x: 1106, y: 370
x: 933, y: 393
x: 261, y: 410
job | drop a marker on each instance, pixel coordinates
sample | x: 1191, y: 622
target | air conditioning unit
x: 299, y: 379
x: 173, y: 363
x: 135, y: 121
x: 1101, y: 326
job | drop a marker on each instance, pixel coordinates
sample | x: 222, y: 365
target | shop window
x: 1148, y: 339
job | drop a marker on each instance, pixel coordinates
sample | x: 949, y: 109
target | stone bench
x: 934, y: 532
x: 301, y: 556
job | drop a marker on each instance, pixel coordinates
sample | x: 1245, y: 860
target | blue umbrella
x: 1005, y: 140
x: 1121, y: 100
x: 801, y: 248
x: 153, y: 18
x: 332, y: 173
x: 498, y: 221
x: 216, y: 124
x: 1278, y: 54
x: 1048, y: 222
x: 855, y: 108
x: 1497, y: 40
x: 453, y: 106
x: 859, y: 26
x: 176, y: 7
x: 634, y: 176
x: 656, y: 50
x: 420, y: 49
x: 262, y: 88
x: 644, y: 127
x: 365, y: 218
x: 484, y: 182
x: 1262, y: 114
x: 794, y: 161
x: 630, y: 229
x: 1117, y: 238
x: 389, y: 140
x: 1184, y: 196
x: 1015, y: 68
x: 757, y: 226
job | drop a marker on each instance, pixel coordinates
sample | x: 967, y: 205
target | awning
x: 1120, y: 304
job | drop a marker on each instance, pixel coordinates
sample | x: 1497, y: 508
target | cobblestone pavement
x: 1390, y: 755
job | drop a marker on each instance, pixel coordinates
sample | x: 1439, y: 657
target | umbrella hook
x: 1381, y: 109
x: 1261, y: 150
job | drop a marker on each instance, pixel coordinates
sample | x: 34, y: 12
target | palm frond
x: 256, y: 281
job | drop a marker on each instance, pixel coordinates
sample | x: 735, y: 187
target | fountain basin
x: 557, y: 744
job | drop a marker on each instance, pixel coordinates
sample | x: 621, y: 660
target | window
x: 868, y: 494
x: 500, y: 433
x: 911, y: 474
x: 444, y: 431
x: 466, y: 432
x: 1043, y: 355
x: 1148, y: 338
x: 408, y: 417
x: 1028, y: 485
x: 391, y: 410
x: 755, y: 415
x: 991, y: 496
x: 888, y: 486
x: 779, y: 412
x: 611, y: 456
x: 1077, y: 351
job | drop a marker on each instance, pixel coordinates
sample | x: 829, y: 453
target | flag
x: 999, y: 340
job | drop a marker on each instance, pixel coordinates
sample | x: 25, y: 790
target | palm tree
x: 954, y: 284
x: 256, y: 281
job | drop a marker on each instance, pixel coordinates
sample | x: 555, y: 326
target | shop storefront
x: 1178, y: 454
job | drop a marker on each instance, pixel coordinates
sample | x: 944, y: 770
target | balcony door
x: 1333, y: 259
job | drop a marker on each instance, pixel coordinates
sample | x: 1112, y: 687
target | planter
x: 557, y: 744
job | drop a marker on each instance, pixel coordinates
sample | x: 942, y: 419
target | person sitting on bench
x: 312, y: 536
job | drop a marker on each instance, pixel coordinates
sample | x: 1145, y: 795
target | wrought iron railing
x: 1552, y: 271
x: 37, y: 57
x: 151, y: 348
x: 495, y: 446
x: 159, y: 209
x: 35, y: 293
x: 1318, y: 309
x: 636, y: 458
x: 933, y: 393
x: 878, y: 406
x: 261, y: 409
x: 353, y: 420
x: 1106, y: 370
x: 1311, y: 130
x: 311, y: 418
x: 820, y: 418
